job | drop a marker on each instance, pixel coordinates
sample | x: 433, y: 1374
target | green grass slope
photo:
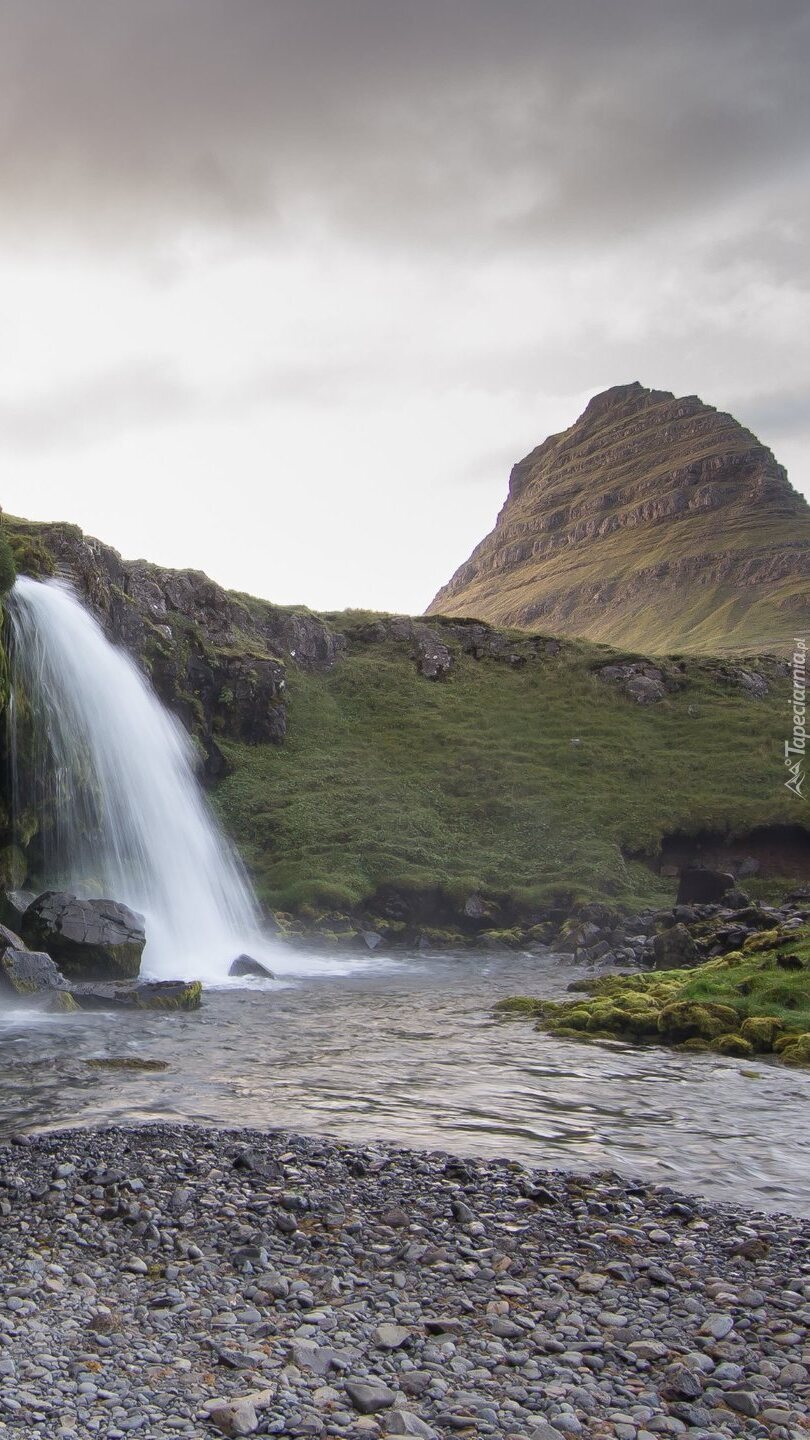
x: 532, y: 782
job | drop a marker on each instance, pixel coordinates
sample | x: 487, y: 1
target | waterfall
x: 113, y: 772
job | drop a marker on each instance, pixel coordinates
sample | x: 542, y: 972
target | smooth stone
x: 391, y: 1337
x: 369, y: 1396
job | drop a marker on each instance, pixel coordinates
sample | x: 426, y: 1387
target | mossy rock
x: 794, y: 1049
x: 695, y: 1046
x: 637, y: 1022
x: 518, y: 1005
x: 577, y: 1018
x: 767, y: 940
x: 13, y: 867
x: 684, y: 1019
x: 731, y: 1044
x: 146, y: 995
x: 762, y: 1031
x: 513, y: 939
x: 603, y: 1017
x: 59, y: 1002
x: 169, y: 995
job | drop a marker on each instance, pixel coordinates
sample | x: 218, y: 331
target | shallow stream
x: 408, y: 1050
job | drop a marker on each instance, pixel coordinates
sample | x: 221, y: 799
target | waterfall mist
x: 113, y: 772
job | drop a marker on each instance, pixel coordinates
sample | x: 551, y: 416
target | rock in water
x: 147, y: 995
x: 246, y: 965
x: 90, y: 939
x: 27, y: 972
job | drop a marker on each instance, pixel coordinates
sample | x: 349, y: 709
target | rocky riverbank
x: 178, y: 1281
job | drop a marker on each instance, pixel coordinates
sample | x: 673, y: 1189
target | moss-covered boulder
x: 90, y: 939
x: 762, y: 1031
x: 687, y: 1019
x: 731, y: 1044
x: 794, y: 1049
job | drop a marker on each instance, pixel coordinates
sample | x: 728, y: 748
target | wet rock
x: 28, y: 972
x: 13, y: 906
x: 140, y: 995
x: 89, y: 939
x: 246, y: 965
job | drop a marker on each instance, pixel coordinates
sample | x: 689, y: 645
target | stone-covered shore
x: 178, y: 1281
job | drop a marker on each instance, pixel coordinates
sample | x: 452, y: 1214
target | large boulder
x: 700, y: 886
x: 90, y: 939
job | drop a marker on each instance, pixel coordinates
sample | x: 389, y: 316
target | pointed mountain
x: 654, y: 522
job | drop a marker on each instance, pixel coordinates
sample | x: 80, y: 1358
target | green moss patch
x: 751, y: 1001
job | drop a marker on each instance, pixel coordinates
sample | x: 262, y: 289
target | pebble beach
x: 183, y: 1281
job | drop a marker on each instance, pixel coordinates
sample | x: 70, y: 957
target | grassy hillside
x: 529, y: 782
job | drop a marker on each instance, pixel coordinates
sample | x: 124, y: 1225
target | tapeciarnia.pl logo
x: 796, y: 747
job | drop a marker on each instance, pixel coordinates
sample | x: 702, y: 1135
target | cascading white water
x: 128, y: 819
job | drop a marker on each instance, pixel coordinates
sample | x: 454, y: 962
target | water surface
x: 408, y: 1050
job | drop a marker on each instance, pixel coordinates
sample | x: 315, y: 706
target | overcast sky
x: 286, y: 286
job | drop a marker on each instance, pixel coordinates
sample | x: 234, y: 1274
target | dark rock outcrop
x: 90, y: 939
x: 654, y: 522
x: 699, y: 886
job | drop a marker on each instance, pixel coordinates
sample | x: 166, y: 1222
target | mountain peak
x: 654, y: 521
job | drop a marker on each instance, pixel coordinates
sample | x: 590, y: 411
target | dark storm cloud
x: 412, y: 121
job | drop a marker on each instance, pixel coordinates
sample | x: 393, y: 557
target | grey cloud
x: 777, y: 412
x: 470, y: 122
x: 94, y: 408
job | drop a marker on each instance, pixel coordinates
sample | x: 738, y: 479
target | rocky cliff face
x: 653, y: 521
x: 219, y: 660
x: 216, y: 659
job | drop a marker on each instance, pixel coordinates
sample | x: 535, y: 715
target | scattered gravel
x: 173, y: 1281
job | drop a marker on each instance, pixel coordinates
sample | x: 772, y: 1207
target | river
x: 408, y: 1050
